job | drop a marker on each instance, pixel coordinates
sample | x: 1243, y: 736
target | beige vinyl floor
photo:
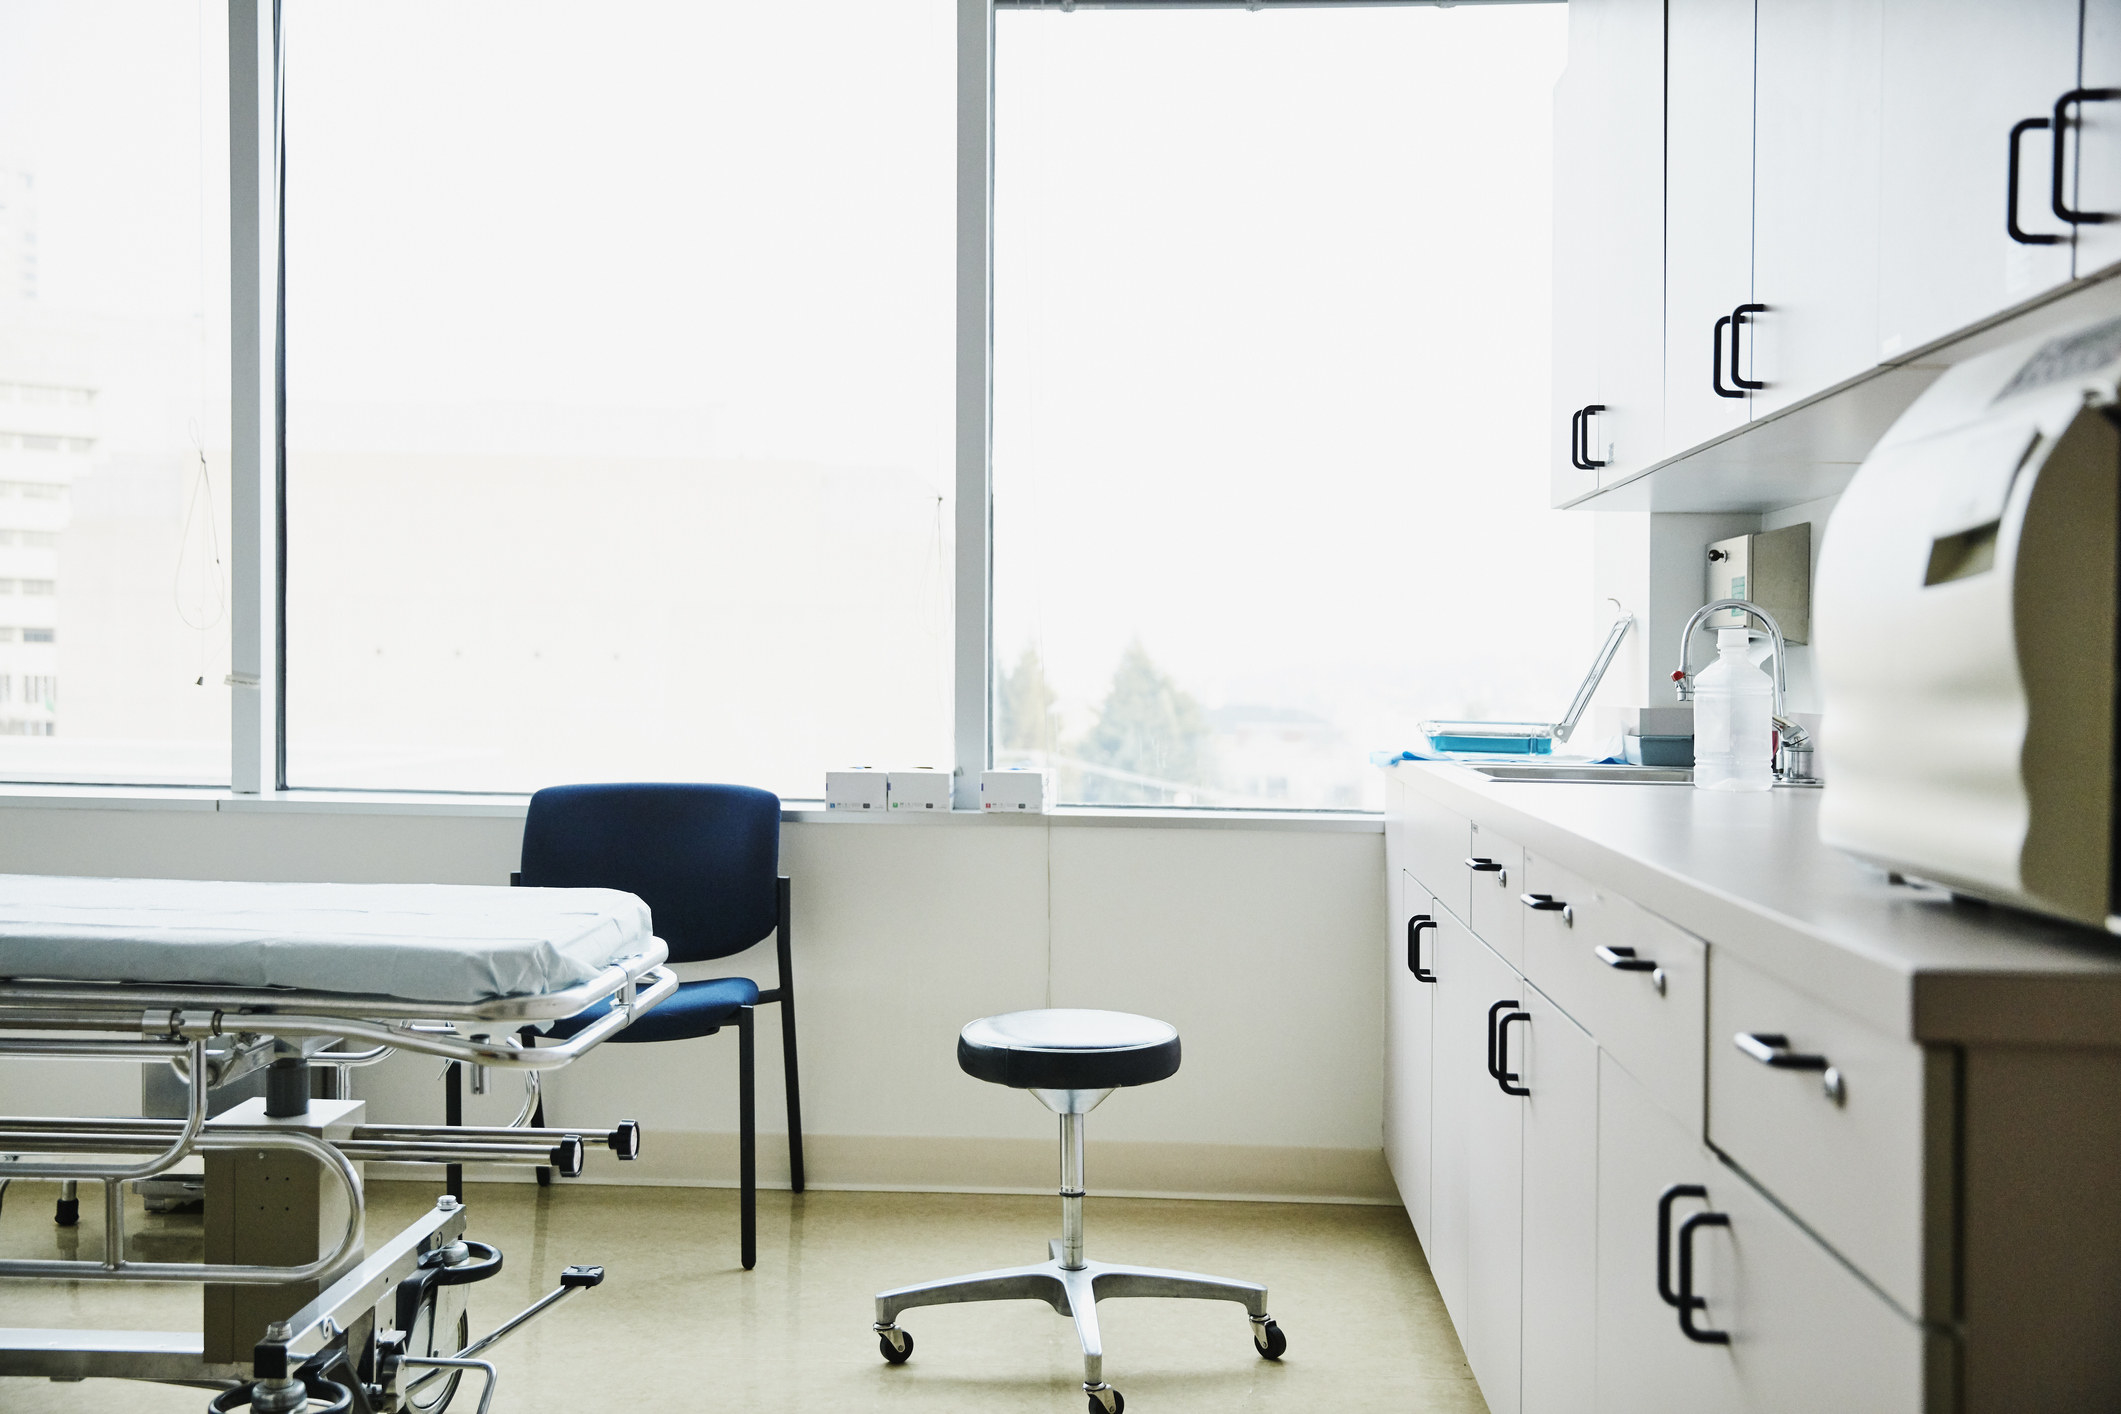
x: 678, y: 1325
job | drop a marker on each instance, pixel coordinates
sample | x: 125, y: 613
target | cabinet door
x: 1559, y: 1062
x: 2095, y: 166
x: 1457, y: 1070
x: 1645, y: 1365
x: 1708, y: 207
x: 1629, y: 434
x: 1958, y: 75
x: 1408, y: 1024
x: 1815, y: 197
x: 1577, y: 153
x: 1495, y: 1187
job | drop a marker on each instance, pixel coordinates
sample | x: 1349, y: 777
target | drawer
x: 1635, y: 982
x: 1494, y: 872
x: 1437, y: 842
x: 1839, y: 1128
x: 1807, y: 1336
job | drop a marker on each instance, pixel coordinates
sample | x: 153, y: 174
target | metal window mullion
x: 973, y: 659
x: 254, y: 299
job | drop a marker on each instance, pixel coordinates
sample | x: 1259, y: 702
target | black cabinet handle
x: 1481, y: 864
x: 1716, y: 361
x: 1773, y: 1048
x: 1664, y: 1235
x: 1625, y: 960
x: 1576, y: 440
x: 2010, y: 201
x: 1737, y: 332
x: 1414, y: 926
x: 1494, y: 1068
x: 1590, y: 463
x: 1547, y: 903
x: 1499, y: 1046
x: 1688, y: 1302
x: 1504, y: 1076
x: 2075, y: 97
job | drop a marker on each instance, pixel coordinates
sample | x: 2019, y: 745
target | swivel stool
x: 1070, y: 1061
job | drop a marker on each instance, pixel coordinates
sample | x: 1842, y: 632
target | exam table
x: 219, y: 980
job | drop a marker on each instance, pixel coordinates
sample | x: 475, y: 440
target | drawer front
x: 1437, y: 843
x: 1806, y: 1336
x: 1634, y: 981
x: 1850, y: 1165
x: 1494, y: 872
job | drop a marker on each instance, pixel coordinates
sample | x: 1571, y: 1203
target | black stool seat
x: 1065, y: 1049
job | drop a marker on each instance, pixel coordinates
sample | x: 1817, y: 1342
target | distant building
x: 47, y: 429
x: 45, y: 432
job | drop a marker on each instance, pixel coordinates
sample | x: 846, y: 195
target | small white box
x: 1022, y: 789
x: 859, y: 789
x: 922, y: 789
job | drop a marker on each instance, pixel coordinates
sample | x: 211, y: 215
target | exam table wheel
x: 1274, y: 1346
x: 1107, y: 1401
x: 68, y: 1213
x: 325, y: 1397
x: 899, y: 1353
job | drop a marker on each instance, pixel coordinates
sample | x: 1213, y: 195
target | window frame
x: 258, y: 552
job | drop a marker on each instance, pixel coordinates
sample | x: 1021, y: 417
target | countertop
x: 1748, y: 873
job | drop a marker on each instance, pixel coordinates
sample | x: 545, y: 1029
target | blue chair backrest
x: 703, y: 858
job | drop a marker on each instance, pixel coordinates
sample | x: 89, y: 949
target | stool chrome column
x: 1070, y: 1061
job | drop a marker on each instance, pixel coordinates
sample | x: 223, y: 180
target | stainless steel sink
x: 1583, y: 771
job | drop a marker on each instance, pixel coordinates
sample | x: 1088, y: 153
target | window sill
x: 794, y: 812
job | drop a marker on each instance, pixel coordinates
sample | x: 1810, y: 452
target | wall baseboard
x: 896, y: 1163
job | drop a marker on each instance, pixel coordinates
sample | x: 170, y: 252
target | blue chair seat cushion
x: 695, y: 1009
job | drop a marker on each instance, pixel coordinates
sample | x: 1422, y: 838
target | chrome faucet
x: 1793, y: 756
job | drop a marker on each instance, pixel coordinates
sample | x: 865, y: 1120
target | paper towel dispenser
x: 1965, y: 637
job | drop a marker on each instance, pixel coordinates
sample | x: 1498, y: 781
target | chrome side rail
x: 114, y: 1266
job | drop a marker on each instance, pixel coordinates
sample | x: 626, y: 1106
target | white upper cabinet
x: 2095, y: 145
x: 1576, y: 240
x: 1609, y: 246
x: 1959, y: 77
x: 1815, y: 198
x: 1628, y: 434
x: 1708, y: 214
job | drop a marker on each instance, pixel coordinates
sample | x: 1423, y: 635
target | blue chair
x: 706, y: 861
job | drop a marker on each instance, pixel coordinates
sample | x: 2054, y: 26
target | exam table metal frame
x: 337, y: 1352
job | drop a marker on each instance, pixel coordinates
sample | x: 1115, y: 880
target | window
x: 1270, y: 323
x: 114, y: 420
x: 619, y: 378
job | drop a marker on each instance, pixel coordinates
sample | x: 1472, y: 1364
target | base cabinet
x: 1409, y: 1024
x: 1559, y: 1063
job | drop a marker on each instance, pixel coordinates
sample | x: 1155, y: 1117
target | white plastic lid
x: 1729, y: 638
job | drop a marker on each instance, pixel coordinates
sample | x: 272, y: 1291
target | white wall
x: 1258, y: 943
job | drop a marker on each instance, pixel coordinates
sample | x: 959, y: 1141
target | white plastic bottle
x: 1734, y: 720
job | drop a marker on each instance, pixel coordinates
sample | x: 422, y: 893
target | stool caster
x: 1267, y: 1338
x: 1105, y: 1400
x: 895, y: 1345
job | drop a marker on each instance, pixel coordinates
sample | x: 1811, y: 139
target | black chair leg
x: 782, y: 934
x: 747, y: 1138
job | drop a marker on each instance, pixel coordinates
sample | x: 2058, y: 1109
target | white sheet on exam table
x: 451, y: 943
